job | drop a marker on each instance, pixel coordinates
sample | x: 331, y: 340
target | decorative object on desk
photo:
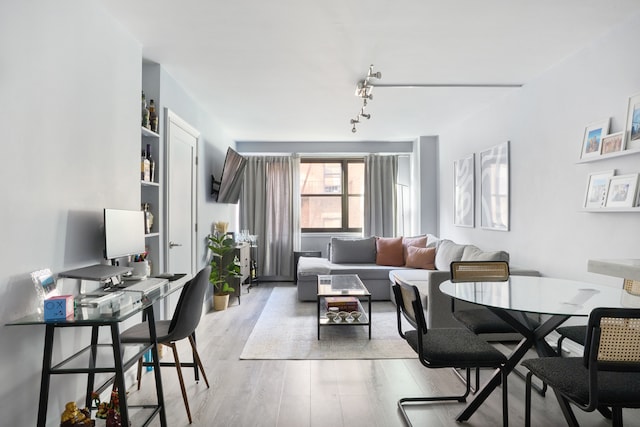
x: 597, y: 186
x: 46, y: 286
x: 613, y: 143
x: 623, y: 191
x: 464, y: 191
x: 108, y: 411
x: 592, y: 140
x: 224, y: 267
x: 494, y: 188
x: 74, y: 417
x: 140, y: 269
x: 58, y: 307
x: 633, y: 122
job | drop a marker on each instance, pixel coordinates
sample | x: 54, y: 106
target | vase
x: 220, y: 302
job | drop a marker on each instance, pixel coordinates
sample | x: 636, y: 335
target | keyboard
x: 145, y: 286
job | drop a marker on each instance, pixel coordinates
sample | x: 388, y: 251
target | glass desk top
x: 544, y: 295
x: 111, y: 306
x: 341, y: 284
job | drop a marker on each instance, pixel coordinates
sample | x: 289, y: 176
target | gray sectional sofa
x: 357, y: 256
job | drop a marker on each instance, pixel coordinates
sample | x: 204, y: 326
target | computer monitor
x: 123, y: 233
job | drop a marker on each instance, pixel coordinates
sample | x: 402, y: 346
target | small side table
x: 297, y: 255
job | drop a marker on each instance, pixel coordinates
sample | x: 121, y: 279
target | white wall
x: 70, y: 84
x: 69, y: 110
x: 545, y: 121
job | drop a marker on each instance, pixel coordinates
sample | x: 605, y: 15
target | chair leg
x: 505, y: 398
x: 196, y: 357
x: 463, y: 398
x: 181, y: 379
x: 527, y: 401
x: 616, y: 417
x: 139, y: 374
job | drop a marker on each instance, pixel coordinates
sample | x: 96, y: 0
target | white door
x: 181, y: 205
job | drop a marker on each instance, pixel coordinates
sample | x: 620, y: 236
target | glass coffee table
x: 344, y: 291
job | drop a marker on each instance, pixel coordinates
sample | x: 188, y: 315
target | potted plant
x: 224, y: 267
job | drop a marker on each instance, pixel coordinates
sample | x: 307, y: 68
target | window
x: 331, y: 193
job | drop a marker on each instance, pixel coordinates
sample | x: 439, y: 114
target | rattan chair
x: 578, y: 333
x: 182, y: 325
x: 608, y: 374
x: 444, y: 348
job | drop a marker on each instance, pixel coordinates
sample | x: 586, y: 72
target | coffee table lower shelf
x: 364, y: 320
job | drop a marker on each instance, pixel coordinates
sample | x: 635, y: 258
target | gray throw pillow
x: 447, y: 252
x: 353, y: 251
x: 473, y: 253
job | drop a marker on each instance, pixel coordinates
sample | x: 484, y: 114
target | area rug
x: 287, y: 329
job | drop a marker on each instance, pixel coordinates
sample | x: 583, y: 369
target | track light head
x: 354, y: 121
x: 353, y: 129
x: 371, y: 74
x: 366, y: 116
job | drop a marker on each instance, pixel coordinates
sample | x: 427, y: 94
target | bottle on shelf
x: 148, y: 218
x: 145, y: 168
x: 145, y: 112
x: 153, y: 117
x: 152, y: 165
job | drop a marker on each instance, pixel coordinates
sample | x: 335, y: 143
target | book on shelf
x: 342, y: 303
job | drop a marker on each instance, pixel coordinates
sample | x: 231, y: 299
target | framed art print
x: 597, y: 186
x: 494, y: 188
x: 464, y: 191
x: 633, y: 122
x: 613, y: 143
x: 592, y: 140
x: 622, y: 191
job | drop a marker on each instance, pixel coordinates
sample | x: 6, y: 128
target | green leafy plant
x: 224, y: 265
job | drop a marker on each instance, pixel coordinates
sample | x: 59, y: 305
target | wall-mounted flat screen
x: 232, y: 178
x: 123, y: 233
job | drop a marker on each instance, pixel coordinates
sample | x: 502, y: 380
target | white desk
x: 511, y: 300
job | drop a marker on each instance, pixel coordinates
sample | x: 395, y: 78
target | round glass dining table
x: 556, y: 300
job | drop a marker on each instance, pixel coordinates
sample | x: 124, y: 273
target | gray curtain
x: 266, y: 210
x: 380, y: 195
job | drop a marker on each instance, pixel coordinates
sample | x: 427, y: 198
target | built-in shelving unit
x: 150, y: 192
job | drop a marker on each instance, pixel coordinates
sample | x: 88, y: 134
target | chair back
x: 409, y: 305
x: 187, y: 315
x: 613, y: 340
x: 479, y: 271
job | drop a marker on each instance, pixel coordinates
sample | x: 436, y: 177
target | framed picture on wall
x: 597, y: 186
x: 623, y: 190
x: 464, y: 191
x: 494, y: 188
x: 613, y: 143
x: 592, y: 140
x: 633, y: 122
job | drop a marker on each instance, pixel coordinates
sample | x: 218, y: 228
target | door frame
x: 173, y: 118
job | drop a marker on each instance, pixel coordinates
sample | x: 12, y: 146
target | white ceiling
x: 286, y: 70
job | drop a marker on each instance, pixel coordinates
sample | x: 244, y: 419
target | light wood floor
x: 323, y: 393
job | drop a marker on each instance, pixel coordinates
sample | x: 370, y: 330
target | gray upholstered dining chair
x: 608, y: 373
x: 183, y: 324
x: 444, y: 348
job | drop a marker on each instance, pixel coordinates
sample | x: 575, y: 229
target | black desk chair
x: 444, y: 348
x: 182, y: 325
x: 608, y: 374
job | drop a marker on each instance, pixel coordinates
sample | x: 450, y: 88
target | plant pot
x: 220, y: 302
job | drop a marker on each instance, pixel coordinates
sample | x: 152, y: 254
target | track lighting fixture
x: 363, y: 90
